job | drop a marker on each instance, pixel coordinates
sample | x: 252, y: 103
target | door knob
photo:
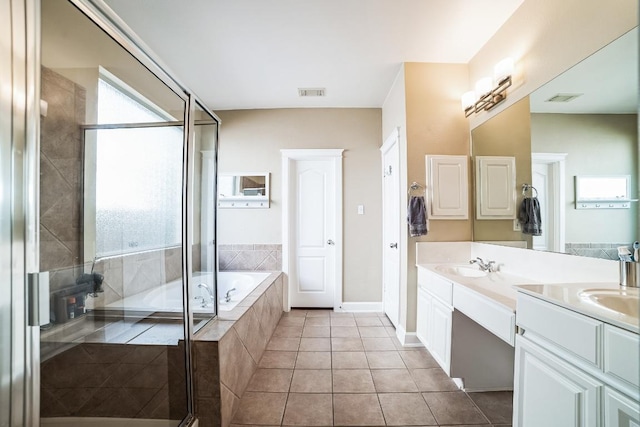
x: 330, y: 242
x: 393, y: 245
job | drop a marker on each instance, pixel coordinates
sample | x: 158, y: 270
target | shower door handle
x: 38, y: 298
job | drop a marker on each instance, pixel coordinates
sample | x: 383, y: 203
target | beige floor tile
x: 432, y: 379
x: 315, y: 344
x: 357, y: 410
x: 318, y: 313
x: 454, y: 407
x: 318, y: 321
x: 311, y: 381
x: 366, y: 314
x: 343, y: 321
x: 368, y: 321
x: 349, y: 360
x: 295, y: 312
x: 308, y: 410
x: 393, y: 381
x: 313, y: 360
x: 346, y: 344
x: 345, y: 332
x: 391, y: 331
x: 274, y: 380
x: 378, y: 344
x: 353, y: 381
x: 283, y: 344
x: 341, y: 314
x: 278, y: 359
x: 384, y: 360
x: 261, y: 408
x: 288, y: 332
x: 418, y: 359
x: 405, y: 409
x: 497, y: 406
x: 385, y: 321
x: 316, y: 332
x: 372, y: 332
x: 291, y: 321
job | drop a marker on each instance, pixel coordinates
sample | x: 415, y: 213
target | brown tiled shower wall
x: 252, y: 257
x: 227, y: 353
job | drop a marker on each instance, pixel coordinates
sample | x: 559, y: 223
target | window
x: 138, y: 174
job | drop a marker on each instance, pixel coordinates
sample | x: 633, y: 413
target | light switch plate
x: 516, y: 225
x: 360, y: 209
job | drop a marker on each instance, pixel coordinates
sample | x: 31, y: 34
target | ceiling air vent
x: 317, y: 91
x: 564, y: 97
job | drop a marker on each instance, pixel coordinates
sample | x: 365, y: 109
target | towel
x: 529, y: 216
x: 417, y: 216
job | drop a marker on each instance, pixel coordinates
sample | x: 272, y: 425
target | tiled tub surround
x: 226, y: 352
x: 250, y: 257
x: 595, y: 250
x: 116, y: 369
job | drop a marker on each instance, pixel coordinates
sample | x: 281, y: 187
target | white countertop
x: 567, y: 296
x: 497, y: 286
x: 503, y: 288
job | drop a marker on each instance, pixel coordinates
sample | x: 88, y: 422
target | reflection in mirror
x: 243, y: 190
x: 582, y: 123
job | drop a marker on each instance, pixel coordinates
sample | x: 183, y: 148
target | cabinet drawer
x: 621, y: 354
x: 436, y: 285
x: 496, y: 318
x: 573, y: 332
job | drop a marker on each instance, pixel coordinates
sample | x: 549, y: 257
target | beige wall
x: 435, y: 125
x: 250, y: 141
x: 596, y: 144
x: 508, y: 134
x: 547, y: 37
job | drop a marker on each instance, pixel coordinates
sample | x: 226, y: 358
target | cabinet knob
x: 393, y: 245
x: 330, y: 242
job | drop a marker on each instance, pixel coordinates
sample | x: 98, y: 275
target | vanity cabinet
x: 434, y: 316
x: 573, y: 370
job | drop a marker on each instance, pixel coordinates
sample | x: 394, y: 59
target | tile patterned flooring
x: 348, y: 369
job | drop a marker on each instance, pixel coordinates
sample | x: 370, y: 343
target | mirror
x: 238, y: 190
x: 581, y: 125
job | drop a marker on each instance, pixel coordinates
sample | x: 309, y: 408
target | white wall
x: 251, y: 140
x: 547, y: 37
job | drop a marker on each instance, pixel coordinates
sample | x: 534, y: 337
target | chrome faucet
x: 227, y: 297
x: 488, y: 266
x: 209, y: 292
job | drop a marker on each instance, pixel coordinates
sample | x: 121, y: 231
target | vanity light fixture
x: 489, y: 92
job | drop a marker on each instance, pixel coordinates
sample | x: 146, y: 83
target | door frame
x: 393, y: 140
x: 289, y: 156
x: 557, y: 162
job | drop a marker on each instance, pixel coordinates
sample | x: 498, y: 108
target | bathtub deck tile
x: 214, y: 331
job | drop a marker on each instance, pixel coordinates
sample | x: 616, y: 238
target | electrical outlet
x: 516, y: 225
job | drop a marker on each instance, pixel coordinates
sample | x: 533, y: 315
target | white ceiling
x: 608, y: 80
x: 239, y: 54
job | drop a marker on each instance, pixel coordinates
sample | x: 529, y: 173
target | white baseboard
x: 361, y: 307
x: 407, y: 339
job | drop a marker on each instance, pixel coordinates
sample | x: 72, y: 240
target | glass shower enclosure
x: 107, y: 201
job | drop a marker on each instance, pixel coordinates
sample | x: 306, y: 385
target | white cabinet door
x: 440, y: 337
x: 423, y: 316
x: 448, y: 187
x: 495, y: 187
x: 552, y: 393
x: 619, y: 410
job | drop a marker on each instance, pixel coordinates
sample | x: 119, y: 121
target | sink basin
x: 625, y: 301
x: 462, y: 270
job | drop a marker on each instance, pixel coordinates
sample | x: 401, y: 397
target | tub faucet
x: 488, y: 266
x: 208, y: 289
x: 227, y: 297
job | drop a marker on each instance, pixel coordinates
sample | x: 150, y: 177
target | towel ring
x: 527, y: 187
x: 415, y: 186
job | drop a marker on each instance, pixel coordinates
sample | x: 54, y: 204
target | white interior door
x: 391, y: 227
x: 314, y: 229
x: 548, y: 177
x: 540, y: 179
